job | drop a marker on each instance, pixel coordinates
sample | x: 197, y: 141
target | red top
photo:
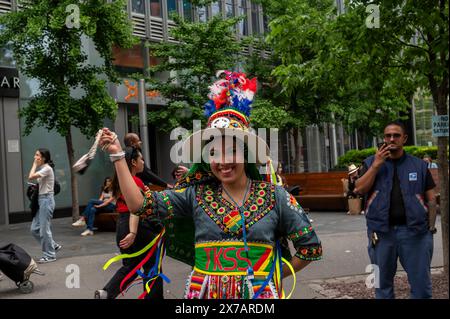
x: 121, y: 206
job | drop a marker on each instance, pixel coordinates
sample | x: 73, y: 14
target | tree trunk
x: 440, y: 97
x: 73, y: 177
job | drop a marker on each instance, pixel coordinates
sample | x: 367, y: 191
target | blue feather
x: 210, y: 108
x: 242, y: 106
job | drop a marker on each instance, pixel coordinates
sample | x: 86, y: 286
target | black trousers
x: 147, y: 231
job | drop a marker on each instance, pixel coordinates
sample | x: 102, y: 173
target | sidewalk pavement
x: 343, y: 238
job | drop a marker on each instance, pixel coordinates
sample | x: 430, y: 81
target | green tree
x: 323, y: 80
x: 201, y: 49
x: 46, y: 38
x: 412, y: 40
x: 301, y: 38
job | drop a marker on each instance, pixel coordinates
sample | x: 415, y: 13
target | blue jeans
x: 90, y: 211
x: 41, y: 225
x: 414, y: 251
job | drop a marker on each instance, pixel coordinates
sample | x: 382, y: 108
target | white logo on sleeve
x: 412, y: 177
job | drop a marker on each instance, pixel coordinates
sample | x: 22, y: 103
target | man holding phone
x: 400, y: 213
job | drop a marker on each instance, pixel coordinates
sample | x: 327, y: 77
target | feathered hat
x: 228, y: 112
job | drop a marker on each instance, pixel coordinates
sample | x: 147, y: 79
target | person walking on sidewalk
x: 400, y: 214
x: 132, y: 235
x: 106, y: 203
x: 42, y: 171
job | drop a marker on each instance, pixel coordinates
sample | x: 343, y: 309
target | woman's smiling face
x: 226, y: 159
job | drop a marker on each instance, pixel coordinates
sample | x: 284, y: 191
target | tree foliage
x: 325, y: 80
x: 48, y: 46
x: 200, y: 50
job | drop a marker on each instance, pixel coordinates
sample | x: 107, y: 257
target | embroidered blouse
x: 270, y: 213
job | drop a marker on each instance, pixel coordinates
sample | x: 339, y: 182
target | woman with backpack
x: 42, y: 171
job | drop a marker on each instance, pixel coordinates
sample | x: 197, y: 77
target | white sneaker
x: 79, y: 223
x: 87, y: 232
x: 362, y: 212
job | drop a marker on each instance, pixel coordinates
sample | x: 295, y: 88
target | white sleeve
x: 45, y: 171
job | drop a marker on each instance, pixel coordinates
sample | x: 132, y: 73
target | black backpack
x: 56, y: 188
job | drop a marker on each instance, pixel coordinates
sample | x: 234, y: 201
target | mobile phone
x: 384, y: 143
x: 380, y: 145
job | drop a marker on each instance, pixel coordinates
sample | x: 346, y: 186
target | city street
x: 343, y: 238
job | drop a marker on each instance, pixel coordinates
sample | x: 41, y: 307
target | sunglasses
x: 395, y: 135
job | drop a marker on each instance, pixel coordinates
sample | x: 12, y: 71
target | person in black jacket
x: 147, y: 176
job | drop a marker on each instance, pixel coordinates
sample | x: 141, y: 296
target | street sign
x: 440, y: 125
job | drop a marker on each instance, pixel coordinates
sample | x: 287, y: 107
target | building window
x: 187, y: 11
x: 243, y: 28
x: 155, y: 8
x: 138, y: 6
x: 215, y: 8
x: 128, y: 61
x: 6, y: 57
x: 266, y: 23
x: 172, y: 6
x: 202, y: 14
x: 255, y: 19
x: 229, y: 8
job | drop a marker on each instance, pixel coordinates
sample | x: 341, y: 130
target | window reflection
x: 215, y: 8
x: 229, y: 8
x: 243, y: 28
x: 187, y: 10
x: 172, y: 6
x: 155, y: 8
x: 138, y: 6
x: 202, y: 14
x: 255, y: 19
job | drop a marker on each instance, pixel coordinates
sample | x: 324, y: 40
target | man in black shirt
x: 400, y: 214
x: 147, y: 176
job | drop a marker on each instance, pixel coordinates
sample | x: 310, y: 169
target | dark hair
x: 131, y: 153
x: 104, y: 187
x: 45, y: 154
x: 397, y: 123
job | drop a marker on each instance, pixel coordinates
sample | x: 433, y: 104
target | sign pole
x: 143, y: 122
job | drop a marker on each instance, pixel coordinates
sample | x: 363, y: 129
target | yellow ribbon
x: 293, y: 275
x: 140, y: 252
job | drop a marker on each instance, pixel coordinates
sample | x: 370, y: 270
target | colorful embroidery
x: 166, y: 200
x: 148, y: 205
x: 293, y: 204
x: 309, y: 253
x: 194, y: 179
x: 225, y: 214
x: 233, y: 221
x: 302, y: 232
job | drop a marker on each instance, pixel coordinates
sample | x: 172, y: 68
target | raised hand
x: 381, y: 155
x: 109, y: 142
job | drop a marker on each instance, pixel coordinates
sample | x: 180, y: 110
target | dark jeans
x: 90, y: 211
x: 145, y: 234
x: 414, y: 251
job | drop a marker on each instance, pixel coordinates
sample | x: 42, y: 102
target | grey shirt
x: 46, y: 180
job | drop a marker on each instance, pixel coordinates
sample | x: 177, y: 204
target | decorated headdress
x: 228, y: 111
x: 230, y: 101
